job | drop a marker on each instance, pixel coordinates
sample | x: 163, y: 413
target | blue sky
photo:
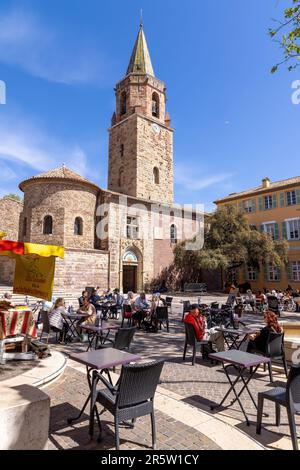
x: 235, y: 122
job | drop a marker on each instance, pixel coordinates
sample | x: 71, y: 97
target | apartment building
x: 274, y: 208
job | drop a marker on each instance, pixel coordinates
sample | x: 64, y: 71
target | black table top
x: 98, y: 329
x: 104, y: 358
x: 239, y: 358
x: 239, y: 331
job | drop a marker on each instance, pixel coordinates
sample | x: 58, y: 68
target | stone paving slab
x: 205, y: 384
x: 67, y: 396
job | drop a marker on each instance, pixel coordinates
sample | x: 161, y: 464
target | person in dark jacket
x: 258, y: 342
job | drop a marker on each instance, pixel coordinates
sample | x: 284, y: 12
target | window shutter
x: 274, y: 201
x: 241, y: 207
x: 262, y: 228
x: 298, y: 223
x: 297, y: 196
x: 289, y: 270
x: 276, y: 231
x: 261, y: 203
x: 284, y: 230
x: 282, y: 199
x: 253, y: 205
x: 266, y: 272
x: 279, y: 273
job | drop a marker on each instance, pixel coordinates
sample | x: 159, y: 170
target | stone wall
x: 64, y: 201
x: 10, y: 211
x: 81, y: 268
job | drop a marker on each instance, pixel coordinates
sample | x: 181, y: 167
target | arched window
x: 156, y: 175
x: 123, y: 103
x: 173, y: 233
x: 48, y: 225
x: 78, y: 226
x: 155, y: 105
x: 121, y: 177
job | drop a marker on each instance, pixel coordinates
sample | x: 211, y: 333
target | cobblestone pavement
x: 68, y: 395
x: 200, y: 385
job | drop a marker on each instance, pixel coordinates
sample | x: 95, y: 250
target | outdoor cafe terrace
x: 187, y: 397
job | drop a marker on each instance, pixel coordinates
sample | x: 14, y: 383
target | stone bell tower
x: 140, y: 137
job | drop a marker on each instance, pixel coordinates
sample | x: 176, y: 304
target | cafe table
x: 244, y: 363
x: 232, y: 336
x: 100, y: 333
x: 100, y: 360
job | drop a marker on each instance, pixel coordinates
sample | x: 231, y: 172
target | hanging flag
x: 34, y: 276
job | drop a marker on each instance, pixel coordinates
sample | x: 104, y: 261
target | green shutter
x: 276, y: 231
x: 284, y: 230
x: 274, y: 201
x: 279, y: 273
x: 289, y: 271
x: 282, y: 199
x: 261, y: 203
x: 253, y: 205
x: 262, y: 228
x: 297, y: 196
x: 241, y: 207
x: 298, y: 229
x: 266, y: 272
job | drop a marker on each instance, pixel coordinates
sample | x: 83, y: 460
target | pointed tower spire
x: 140, y: 61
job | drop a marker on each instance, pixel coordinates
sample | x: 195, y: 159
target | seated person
x: 198, y: 321
x: 56, y: 320
x: 250, y: 299
x: 84, y: 294
x: 141, y: 308
x: 94, y: 297
x: 260, y: 297
x: 257, y: 342
x: 89, y: 311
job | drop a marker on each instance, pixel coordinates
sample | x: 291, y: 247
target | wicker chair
x: 186, y: 308
x: 169, y: 303
x: 122, y: 341
x: 288, y: 397
x: 190, y: 340
x: 126, y: 315
x: 131, y: 398
x: 161, y: 316
x: 274, y: 349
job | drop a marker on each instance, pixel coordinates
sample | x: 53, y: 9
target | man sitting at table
x: 89, y: 311
x: 94, y: 297
x: 141, y: 307
x: 198, y: 321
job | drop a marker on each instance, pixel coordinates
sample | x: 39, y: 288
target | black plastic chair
x: 126, y: 315
x: 131, y: 398
x: 186, y: 308
x: 122, y: 341
x: 273, y: 304
x: 47, y: 328
x: 288, y: 397
x: 161, y: 316
x: 274, y: 349
x: 169, y: 302
x: 191, y: 340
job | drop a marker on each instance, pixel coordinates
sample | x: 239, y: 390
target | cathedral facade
x: 122, y: 237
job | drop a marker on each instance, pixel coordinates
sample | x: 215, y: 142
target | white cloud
x: 194, y: 179
x: 26, y: 42
x: 27, y: 145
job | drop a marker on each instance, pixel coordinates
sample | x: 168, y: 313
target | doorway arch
x: 131, y: 270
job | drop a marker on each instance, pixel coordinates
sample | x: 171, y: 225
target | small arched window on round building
x: 48, y: 225
x: 78, y: 226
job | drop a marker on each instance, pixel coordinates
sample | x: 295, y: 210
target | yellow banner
x: 34, y: 276
x: 43, y: 250
x: 2, y: 235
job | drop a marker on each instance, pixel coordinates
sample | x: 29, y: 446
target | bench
x: 195, y: 287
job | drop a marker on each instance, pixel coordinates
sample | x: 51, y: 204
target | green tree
x: 287, y: 36
x: 16, y: 197
x: 230, y: 243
